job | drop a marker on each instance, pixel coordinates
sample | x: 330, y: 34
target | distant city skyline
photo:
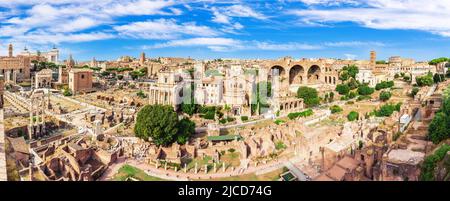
x: 207, y: 29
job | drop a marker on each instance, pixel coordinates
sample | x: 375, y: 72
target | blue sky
x: 206, y: 29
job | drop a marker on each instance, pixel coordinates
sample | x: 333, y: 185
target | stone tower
x: 70, y: 63
x: 10, y: 50
x: 373, y: 58
x: 2, y: 85
x: 142, y: 58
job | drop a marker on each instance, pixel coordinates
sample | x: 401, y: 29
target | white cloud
x: 215, y: 44
x: 330, y: 2
x: 64, y: 19
x: 140, y: 7
x: 44, y: 38
x: 221, y: 44
x: 353, y: 44
x: 219, y: 17
x: 424, y: 15
x: 286, y: 46
x: 80, y: 23
x: 350, y: 56
x: 163, y: 29
x: 243, y: 11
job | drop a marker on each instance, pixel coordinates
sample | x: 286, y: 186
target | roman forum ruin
x: 75, y: 120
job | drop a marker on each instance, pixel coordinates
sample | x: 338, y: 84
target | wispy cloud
x: 421, y: 15
x: 163, y: 29
x: 220, y: 44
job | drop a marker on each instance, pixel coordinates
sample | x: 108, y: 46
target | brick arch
x: 314, y: 74
x: 296, y: 74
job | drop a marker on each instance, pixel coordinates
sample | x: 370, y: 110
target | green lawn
x: 270, y: 176
x: 128, y: 171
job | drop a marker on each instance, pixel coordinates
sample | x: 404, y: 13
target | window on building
x: 82, y: 76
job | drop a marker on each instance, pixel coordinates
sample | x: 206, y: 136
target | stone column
x: 14, y: 74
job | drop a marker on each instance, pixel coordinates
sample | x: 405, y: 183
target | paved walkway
x: 296, y: 171
x: 3, y: 176
x: 181, y: 176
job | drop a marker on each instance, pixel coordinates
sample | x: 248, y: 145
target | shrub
x: 426, y: 80
x: 309, y: 95
x: 352, y: 116
x: 365, y: 90
x: 67, y: 92
x: 414, y: 91
x: 335, y: 109
x: 439, y: 128
x: 305, y: 113
x: 208, y: 115
x: 396, y: 136
x: 342, y: 89
x: 387, y: 110
x: 385, y: 95
x: 280, y: 145
x: 430, y: 162
x: 141, y: 94
x: 361, y: 98
x: 231, y: 119
x: 384, y: 85
x: 438, y: 78
x: 352, y: 95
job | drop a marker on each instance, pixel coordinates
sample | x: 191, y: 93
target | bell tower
x: 10, y: 50
x: 373, y: 58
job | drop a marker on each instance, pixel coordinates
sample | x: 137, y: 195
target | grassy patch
x: 270, y: 176
x: 280, y: 145
x: 128, y: 171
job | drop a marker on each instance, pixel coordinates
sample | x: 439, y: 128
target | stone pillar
x: 43, y: 107
x: 31, y: 125
x: 14, y: 74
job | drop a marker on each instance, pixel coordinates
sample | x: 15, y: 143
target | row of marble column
x: 10, y: 75
x: 160, y: 97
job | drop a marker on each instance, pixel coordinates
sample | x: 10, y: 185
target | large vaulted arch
x: 296, y: 74
x: 314, y: 74
x: 276, y: 71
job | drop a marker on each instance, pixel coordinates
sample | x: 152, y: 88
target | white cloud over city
x: 218, y: 25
